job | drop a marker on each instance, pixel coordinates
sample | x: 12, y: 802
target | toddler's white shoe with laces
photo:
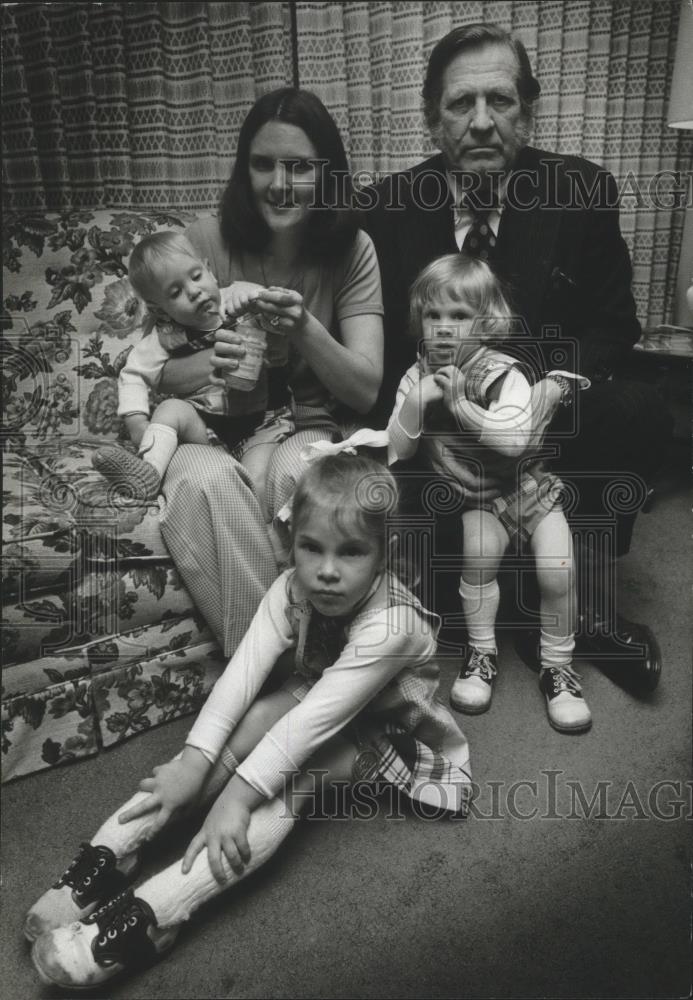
x: 473, y: 689
x: 567, y: 709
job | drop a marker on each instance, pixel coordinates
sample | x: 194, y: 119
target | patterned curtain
x: 132, y: 104
x: 605, y: 68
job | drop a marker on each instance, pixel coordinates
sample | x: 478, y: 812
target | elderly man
x: 548, y: 226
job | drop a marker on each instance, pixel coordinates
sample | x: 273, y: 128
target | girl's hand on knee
x: 173, y: 787
x: 224, y: 834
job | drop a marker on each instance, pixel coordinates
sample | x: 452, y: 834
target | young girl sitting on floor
x: 360, y: 704
x: 464, y: 390
x: 186, y: 308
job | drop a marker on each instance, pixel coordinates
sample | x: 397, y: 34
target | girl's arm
x: 376, y: 652
x: 406, y: 424
x: 506, y: 426
x: 267, y: 637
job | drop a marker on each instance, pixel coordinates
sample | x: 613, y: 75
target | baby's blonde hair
x: 462, y: 279
x: 151, y: 252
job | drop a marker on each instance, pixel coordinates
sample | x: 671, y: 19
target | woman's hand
x: 228, y: 348
x: 282, y: 309
x: 173, y: 787
x: 237, y: 297
x: 224, y: 832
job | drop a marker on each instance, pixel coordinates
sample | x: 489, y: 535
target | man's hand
x: 173, y: 787
x: 225, y: 831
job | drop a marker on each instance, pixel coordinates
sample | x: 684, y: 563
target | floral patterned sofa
x: 101, y: 640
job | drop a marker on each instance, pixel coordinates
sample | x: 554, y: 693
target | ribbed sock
x: 124, y: 838
x: 556, y: 650
x: 158, y: 446
x: 480, y: 606
x: 174, y: 896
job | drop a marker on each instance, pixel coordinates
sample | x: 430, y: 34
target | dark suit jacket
x: 559, y: 252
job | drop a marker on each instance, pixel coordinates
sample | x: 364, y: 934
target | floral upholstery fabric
x: 101, y: 639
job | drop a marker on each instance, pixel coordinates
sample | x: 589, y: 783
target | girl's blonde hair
x: 151, y: 252
x: 462, y: 279
x: 355, y: 489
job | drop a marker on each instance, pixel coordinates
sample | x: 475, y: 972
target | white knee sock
x: 124, y: 838
x: 158, y: 446
x: 174, y: 896
x: 480, y: 606
x: 556, y: 650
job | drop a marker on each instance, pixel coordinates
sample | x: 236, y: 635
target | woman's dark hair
x: 463, y: 39
x: 332, y: 225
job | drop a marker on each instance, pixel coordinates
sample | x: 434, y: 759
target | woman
x: 285, y: 234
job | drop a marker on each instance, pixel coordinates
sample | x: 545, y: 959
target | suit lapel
x: 527, y: 236
x: 430, y: 229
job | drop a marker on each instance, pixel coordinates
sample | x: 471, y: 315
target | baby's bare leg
x: 141, y: 475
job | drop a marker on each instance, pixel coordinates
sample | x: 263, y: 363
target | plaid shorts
x: 523, y: 508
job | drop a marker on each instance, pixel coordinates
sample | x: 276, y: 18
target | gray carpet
x: 561, y: 904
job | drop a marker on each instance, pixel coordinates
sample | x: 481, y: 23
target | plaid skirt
x: 408, y: 738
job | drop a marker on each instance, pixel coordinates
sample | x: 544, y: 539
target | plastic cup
x: 254, y: 338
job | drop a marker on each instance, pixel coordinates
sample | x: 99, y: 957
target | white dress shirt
x: 463, y: 217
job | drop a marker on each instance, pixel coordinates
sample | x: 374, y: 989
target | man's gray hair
x: 466, y: 38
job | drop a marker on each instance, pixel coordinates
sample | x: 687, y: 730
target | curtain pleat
x: 132, y: 104
x: 605, y: 70
x: 140, y: 104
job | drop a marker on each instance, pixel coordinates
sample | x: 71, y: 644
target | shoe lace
x: 565, y: 679
x: 85, y: 867
x: 123, y: 939
x: 116, y: 918
x: 480, y: 665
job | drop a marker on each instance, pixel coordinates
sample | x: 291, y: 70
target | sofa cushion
x: 69, y: 704
x: 101, y: 639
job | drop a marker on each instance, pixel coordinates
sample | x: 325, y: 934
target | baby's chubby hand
x: 238, y: 297
x: 451, y: 382
x: 429, y: 390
